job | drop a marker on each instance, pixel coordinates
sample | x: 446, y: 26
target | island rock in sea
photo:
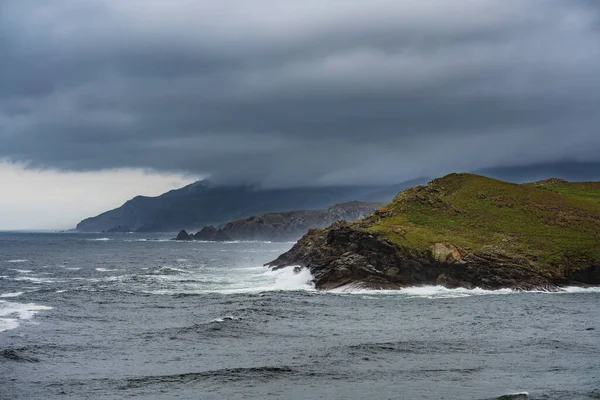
x: 463, y: 230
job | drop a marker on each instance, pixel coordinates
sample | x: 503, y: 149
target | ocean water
x: 139, y: 316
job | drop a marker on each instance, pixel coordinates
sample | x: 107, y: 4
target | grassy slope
x: 550, y: 222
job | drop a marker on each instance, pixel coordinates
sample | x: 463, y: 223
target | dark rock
x: 207, y: 233
x: 183, y: 235
x: 221, y: 236
x: 342, y: 255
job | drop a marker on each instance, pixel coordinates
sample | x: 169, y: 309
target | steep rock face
x: 463, y: 231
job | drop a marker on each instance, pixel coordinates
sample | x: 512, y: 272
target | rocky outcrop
x: 343, y: 255
x: 414, y: 240
x: 212, y: 234
x: 207, y: 233
x: 286, y: 226
x: 183, y: 235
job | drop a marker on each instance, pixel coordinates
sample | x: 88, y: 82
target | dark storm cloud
x: 286, y: 93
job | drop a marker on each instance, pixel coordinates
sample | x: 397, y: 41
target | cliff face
x: 203, y: 203
x: 463, y: 231
x: 286, y: 226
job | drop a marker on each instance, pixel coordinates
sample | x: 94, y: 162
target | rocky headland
x: 282, y: 226
x: 463, y: 230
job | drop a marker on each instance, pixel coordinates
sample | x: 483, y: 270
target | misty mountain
x: 204, y: 203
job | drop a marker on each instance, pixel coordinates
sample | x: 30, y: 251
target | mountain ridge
x: 205, y: 203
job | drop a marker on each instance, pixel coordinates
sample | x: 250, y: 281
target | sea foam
x: 11, y: 314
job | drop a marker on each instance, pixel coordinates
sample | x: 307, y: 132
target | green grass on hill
x: 553, y: 223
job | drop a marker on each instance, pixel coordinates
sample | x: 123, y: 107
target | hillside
x: 464, y: 230
x: 203, y: 203
x: 284, y: 226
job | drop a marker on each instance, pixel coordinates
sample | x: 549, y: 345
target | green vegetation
x: 552, y: 223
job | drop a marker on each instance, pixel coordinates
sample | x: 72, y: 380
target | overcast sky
x: 284, y: 93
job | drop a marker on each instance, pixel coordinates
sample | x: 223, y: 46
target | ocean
x: 99, y: 316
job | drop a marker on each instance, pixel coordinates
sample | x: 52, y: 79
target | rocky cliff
x: 284, y: 226
x: 463, y: 230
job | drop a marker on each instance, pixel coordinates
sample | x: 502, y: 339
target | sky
x: 104, y: 99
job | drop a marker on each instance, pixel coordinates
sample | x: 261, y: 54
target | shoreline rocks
x: 463, y: 230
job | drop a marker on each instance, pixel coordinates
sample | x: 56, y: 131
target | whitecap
x: 73, y: 268
x: 105, y: 239
x: 226, y: 318
x: 13, y: 294
x: 12, y: 313
x: 577, y: 289
x: 106, y: 270
x: 428, y: 292
x: 22, y: 271
x: 33, y: 279
x: 18, y: 261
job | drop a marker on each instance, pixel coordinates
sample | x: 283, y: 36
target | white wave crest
x: 22, y: 271
x: 11, y: 314
x: 16, y: 261
x: 441, y: 292
x: 106, y: 270
x: 14, y: 294
x: 577, y: 289
x: 105, y: 239
x: 290, y: 279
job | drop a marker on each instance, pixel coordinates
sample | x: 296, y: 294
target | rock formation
x: 463, y: 230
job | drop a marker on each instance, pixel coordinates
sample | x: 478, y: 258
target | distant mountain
x: 283, y: 226
x: 204, y: 203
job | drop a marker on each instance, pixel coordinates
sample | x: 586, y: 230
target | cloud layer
x: 291, y: 93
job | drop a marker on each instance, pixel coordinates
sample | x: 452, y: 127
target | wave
x: 228, y: 374
x: 17, y: 354
x: 33, y: 279
x: 18, y: 261
x: 11, y: 314
x: 285, y: 279
x: 227, y: 318
x: 104, y: 239
x: 14, y: 294
x: 106, y: 270
x: 441, y: 292
x: 166, y: 271
x: 514, y: 396
x: 22, y: 271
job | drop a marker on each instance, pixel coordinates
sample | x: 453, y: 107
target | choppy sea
x: 97, y: 316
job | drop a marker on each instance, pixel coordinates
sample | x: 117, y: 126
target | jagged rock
x: 183, y: 235
x: 207, y: 233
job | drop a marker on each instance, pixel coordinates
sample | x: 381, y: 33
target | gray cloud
x: 285, y: 93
